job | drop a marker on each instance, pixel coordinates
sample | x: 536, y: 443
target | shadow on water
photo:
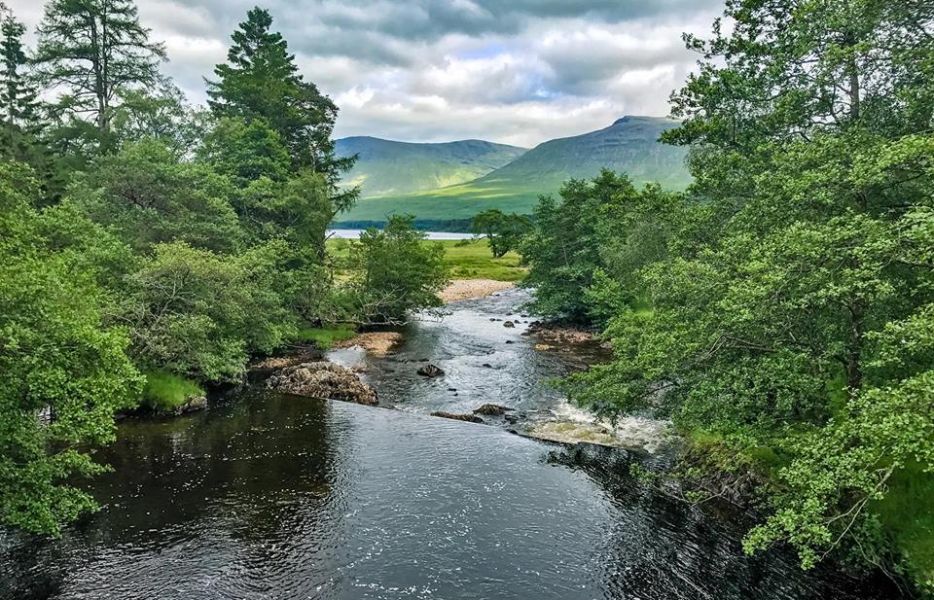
x: 697, y: 548
x: 283, y: 497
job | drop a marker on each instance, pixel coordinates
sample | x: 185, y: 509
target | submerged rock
x: 457, y: 417
x: 192, y: 404
x: 491, y: 410
x: 430, y: 370
x: 323, y: 380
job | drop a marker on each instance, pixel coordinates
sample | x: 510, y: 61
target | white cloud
x: 513, y: 71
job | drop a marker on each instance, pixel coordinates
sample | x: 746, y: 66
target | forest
x: 149, y: 248
x: 780, y: 310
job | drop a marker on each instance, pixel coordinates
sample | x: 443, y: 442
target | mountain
x: 386, y: 167
x: 630, y: 145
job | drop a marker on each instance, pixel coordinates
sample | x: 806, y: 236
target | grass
x: 325, y: 337
x: 165, y: 392
x: 466, y: 259
x: 472, y: 259
x: 455, y: 202
x: 907, y: 512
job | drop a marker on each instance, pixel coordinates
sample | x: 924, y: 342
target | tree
x: 148, y: 196
x: 18, y: 95
x: 94, y: 51
x: 563, y: 248
x: 200, y: 314
x: 784, y: 312
x: 63, y: 372
x: 395, y: 272
x: 161, y: 113
x: 261, y: 81
x: 504, y: 232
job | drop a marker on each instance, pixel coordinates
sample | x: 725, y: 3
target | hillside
x: 386, y: 167
x: 629, y: 145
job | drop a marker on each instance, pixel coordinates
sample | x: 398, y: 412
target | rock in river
x: 323, y: 380
x: 491, y: 410
x: 430, y: 370
x: 457, y: 417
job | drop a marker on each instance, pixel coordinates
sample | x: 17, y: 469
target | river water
x: 266, y: 496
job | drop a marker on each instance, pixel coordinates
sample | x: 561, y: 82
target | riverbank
x: 467, y: 289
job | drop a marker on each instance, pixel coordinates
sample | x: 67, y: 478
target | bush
x: 396, y: 271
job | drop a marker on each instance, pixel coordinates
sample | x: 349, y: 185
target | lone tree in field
x: 92, y: 50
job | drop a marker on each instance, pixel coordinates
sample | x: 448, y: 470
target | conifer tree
x: 260, y: 80
x: 92, y: 50
x: 18, y: 96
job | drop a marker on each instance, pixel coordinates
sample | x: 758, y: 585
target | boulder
x: 192, y: 404
x: 491, y: 410
x: 430, y: 370
x: 457, y: 417
x: 323, y: 379
x: 509, y: 324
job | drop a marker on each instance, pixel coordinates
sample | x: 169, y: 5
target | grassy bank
x: 472, y: 259
x: 166, y: 392
x: 466, y: 259
x: 325, y: 337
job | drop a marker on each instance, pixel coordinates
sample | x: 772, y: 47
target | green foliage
x: 599, y: 227
x: 395, y: 272
x: 198, y: 313
x: 18, y: 95
x: 165, y: 392
x: 504, y: 232
x: 790, y: 293
x: 247, y: 151
x: 160, y: 113
x: 261, y: 81
x: 95, y: 50
x: 148, y: 196
x: 325, y: 337
x: 63, y: 371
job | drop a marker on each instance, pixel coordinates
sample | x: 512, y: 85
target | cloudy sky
x: 512, y: 71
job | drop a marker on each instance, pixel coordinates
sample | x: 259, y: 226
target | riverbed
x: 271, y: 496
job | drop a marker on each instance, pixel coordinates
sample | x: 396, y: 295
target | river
x: 268, y: 496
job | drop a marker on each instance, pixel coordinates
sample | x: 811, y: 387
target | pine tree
x: 92, y: 50
x: 18, y: 96
x: 261, y: 81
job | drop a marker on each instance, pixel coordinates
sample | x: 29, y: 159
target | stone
x: 491, y: 410
x: 430, y: 370
x: 457, y: 417
x: 322, y: 379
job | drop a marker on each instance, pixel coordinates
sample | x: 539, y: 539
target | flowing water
x: 266, y: 496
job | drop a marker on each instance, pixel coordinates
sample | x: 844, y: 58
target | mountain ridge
x: 629, y: 145
x: 386, y: 167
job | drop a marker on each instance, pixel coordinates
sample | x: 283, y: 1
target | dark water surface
x: 270, y: 496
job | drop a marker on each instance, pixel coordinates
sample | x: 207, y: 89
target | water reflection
x: 283, y: 497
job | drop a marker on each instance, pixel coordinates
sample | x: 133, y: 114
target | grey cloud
x: 517, y: 71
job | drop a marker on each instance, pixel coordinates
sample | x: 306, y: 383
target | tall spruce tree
x: 92, y: 50
x: 18, y: 95
x: 260, y: 80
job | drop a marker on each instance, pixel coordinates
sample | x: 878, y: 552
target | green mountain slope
x: 386, y: 167
x: 629, y: 145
